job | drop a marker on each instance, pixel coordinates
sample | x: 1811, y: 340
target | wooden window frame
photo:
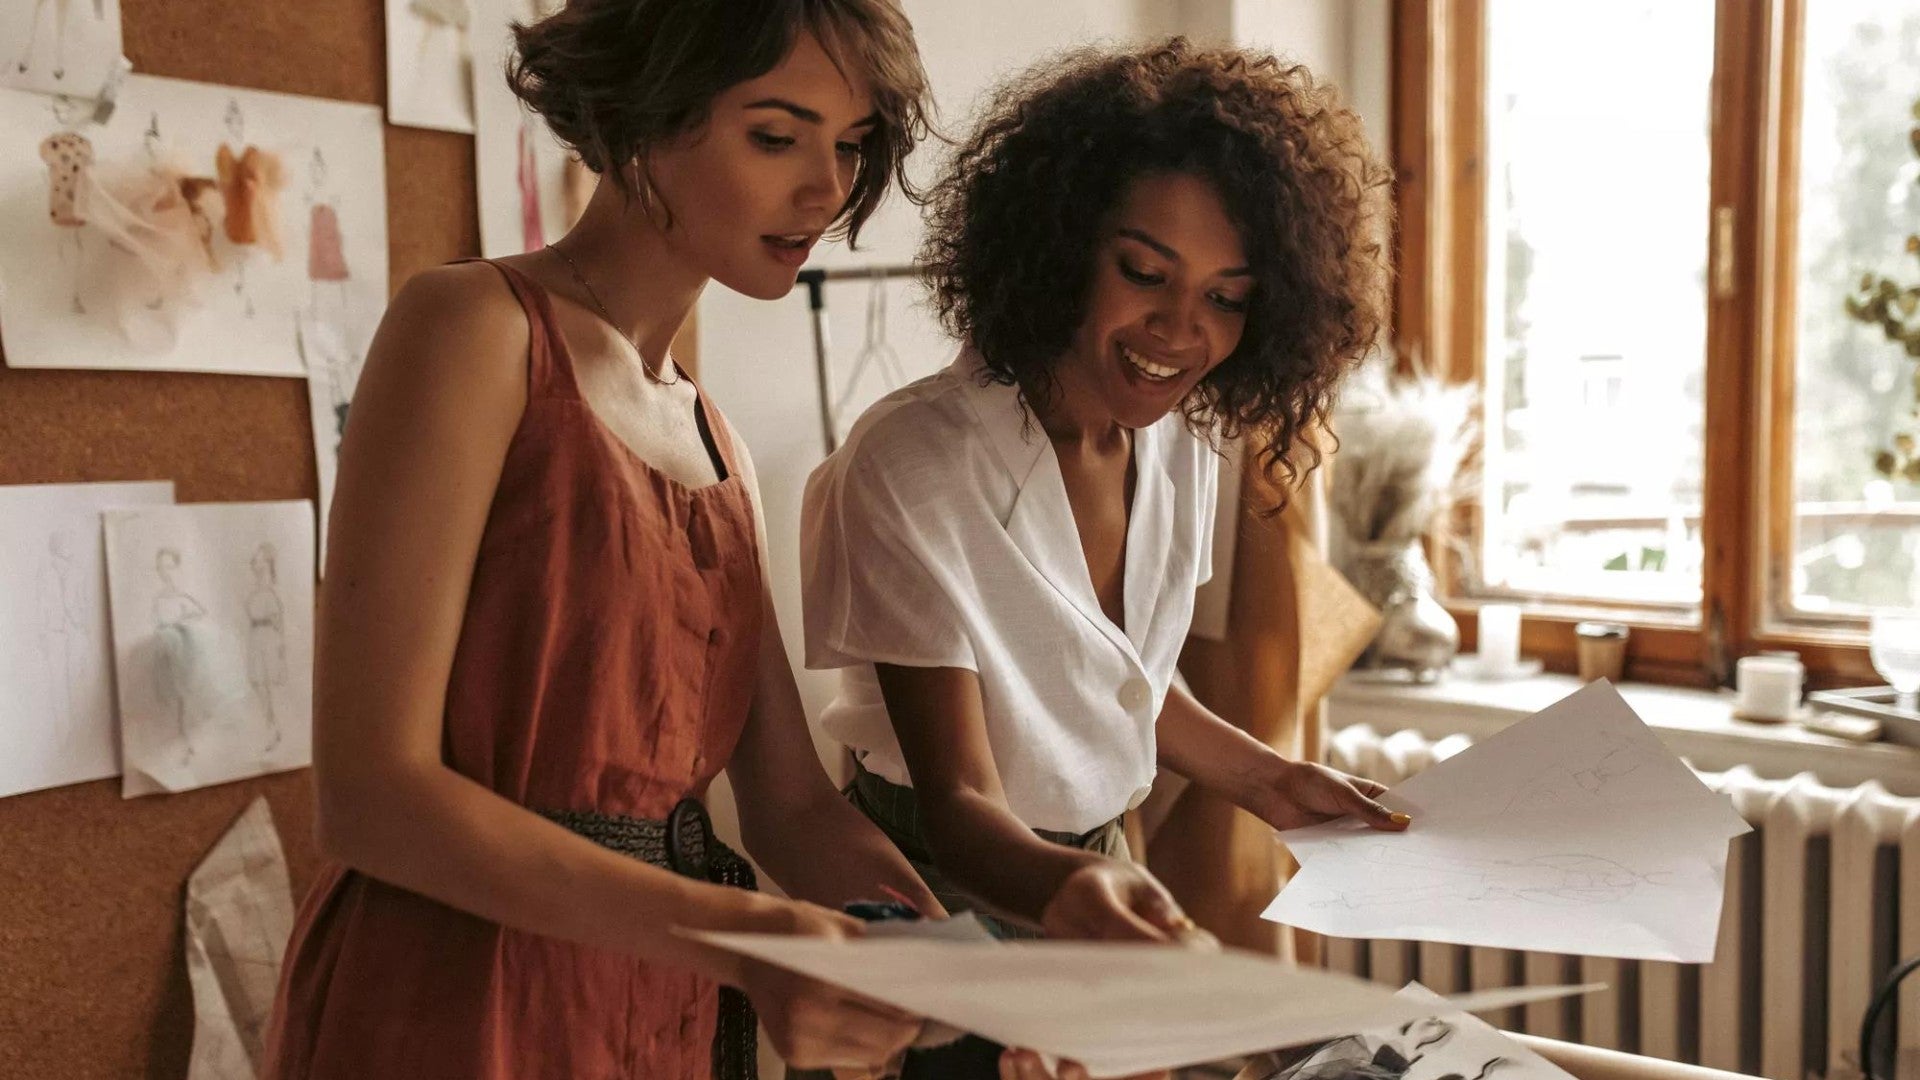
x: 1438, y: 132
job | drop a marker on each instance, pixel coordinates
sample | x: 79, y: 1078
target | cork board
x: 92, y: 975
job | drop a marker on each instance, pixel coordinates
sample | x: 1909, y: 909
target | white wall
x: 757, y: 359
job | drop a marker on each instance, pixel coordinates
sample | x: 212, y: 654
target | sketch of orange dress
x: 250, y: 183
x: 326, y: 253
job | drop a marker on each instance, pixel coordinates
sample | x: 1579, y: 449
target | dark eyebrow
x: 801, y: 112
x: 1167, y: 252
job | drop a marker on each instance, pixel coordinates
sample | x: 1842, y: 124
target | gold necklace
x: 587, y: 287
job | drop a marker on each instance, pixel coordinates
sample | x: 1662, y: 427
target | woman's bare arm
x: 978, y: 841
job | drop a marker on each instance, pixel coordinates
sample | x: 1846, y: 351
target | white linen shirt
x: 940, y: 535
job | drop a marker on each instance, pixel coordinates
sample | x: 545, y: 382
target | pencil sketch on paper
x: 56, y: 664
x: 216, y: 681
x: 63, y: 632
x: 1560, y: 880
x: 1561, y: 785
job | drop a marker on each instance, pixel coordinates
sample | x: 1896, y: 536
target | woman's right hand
x: 1111, y: 900
x: 814, y: 1025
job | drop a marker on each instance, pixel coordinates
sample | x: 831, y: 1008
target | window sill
x: 1698, y: 725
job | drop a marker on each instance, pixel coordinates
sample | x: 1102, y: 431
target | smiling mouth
x: 791, y: 241
x: 1146, y: 367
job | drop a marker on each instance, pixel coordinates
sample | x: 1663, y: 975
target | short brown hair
x: 613, y: 77
x: 1016, y: 220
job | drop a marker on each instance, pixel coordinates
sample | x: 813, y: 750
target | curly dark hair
x: 1016, y: 220
x: 613, y: 77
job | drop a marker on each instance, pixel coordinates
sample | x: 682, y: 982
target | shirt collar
x: 1016, y: 436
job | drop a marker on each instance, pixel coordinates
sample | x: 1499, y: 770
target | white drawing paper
x: 430, y: 64
x: 135, y: 245
x: 333, y: 373
x: 213, y: 641
x: 1555, y: 882
x: 68, y: 47
x: 1445, y: 1046
x: 1118, y: 1009
x: 1572, y: 831
x: 56, y: 647
x: 239, y: 914
x: 519, y: 168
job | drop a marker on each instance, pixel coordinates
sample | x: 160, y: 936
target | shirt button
x: 1135, y: 694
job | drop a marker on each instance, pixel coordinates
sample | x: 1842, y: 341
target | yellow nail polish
x: 1400, y: 819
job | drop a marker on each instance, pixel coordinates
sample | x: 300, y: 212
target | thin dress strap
x: 550, y: 365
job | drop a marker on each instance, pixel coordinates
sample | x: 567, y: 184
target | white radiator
x: 1822, y: 899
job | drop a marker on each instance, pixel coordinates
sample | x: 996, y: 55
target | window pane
x: 1597, y: 218
x: 1856, y: 532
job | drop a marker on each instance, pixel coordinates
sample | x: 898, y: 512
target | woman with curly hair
x: 1143, y: 253
x: 547, y: 625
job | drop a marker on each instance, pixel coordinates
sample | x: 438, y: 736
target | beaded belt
x: 684, y: 843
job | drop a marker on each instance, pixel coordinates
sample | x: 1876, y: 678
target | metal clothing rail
x: 815, y: 281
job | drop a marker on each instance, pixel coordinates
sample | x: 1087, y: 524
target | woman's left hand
x: 1301, y: 793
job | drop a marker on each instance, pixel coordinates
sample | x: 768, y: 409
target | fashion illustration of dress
x: 60, y: 630
x: 157, y: 252
x: 250, y: 182
x: 69, y: 157
x: 266, y: 651
x: 533, y: 236
x: 61, y: 13
x: 183, y: 642
x: 326, y: 254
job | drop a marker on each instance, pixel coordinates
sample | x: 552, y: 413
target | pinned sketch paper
x: 199, y: 229
x: 519, y: 169
x: 239, y: 914
x: 1117, y: 1009
x: 333, y: 373
x: 68, y: 47
x: 1445, y: 1046
x: 213, y: 641
x: 56, y: 648
x: 430, y: 64
x: 1573, y: 831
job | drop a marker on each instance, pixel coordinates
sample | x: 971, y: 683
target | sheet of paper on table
x: 1118, y: 1009
x: 1445, y: 1046
x: 1572, y: 831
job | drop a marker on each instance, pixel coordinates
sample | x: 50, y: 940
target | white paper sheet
x: 56, y: 648
x: 1551, y: 883
x: 1117, y: 1009
x: 1572, y: 831
x: 57, y: 309
x: 213, y: 641
x: 59, y: 46
x: 430, y: 64
x: 239, y: 914
x: 1445, y: 1046
x: 333, y: 374
x: 519, y: 169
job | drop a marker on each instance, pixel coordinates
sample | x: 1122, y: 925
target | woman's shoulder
x: 460, y: 321
x: 927, y: 418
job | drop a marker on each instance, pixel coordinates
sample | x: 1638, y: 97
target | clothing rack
x: 815, y: 281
